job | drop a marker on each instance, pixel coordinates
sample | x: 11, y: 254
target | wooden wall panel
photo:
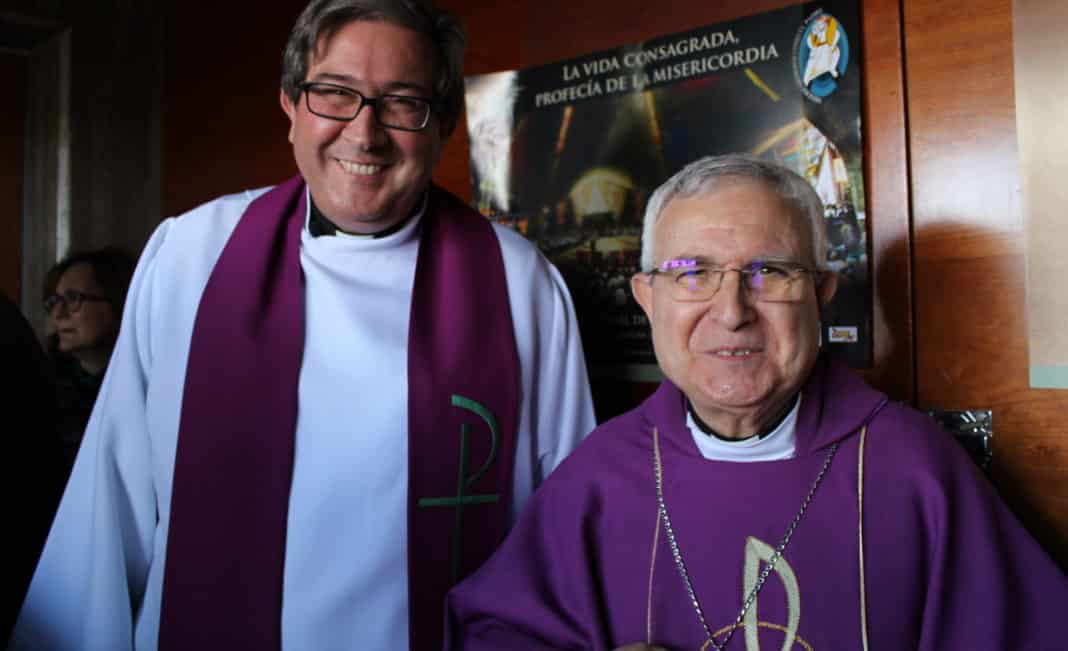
x: 225, y: 130
x: 116, y: 121
x: 12, y: 133
x: 886, y: 174
x: 970, y: 317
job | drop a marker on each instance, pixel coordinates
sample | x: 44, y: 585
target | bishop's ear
x: 642, y: 288
x: 828, y: 285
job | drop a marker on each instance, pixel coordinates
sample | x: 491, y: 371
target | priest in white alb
x: 329, y: 399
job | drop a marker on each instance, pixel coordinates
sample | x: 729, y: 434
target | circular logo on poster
x: 821, y: 55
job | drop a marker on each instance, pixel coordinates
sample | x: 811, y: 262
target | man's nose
x: 364, y: 129
x: 731, y: 305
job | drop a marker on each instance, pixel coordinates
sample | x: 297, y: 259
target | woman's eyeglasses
x: 71, y: 300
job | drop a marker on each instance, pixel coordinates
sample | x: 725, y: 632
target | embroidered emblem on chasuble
x: 754, y: 577
x: 757, y: 552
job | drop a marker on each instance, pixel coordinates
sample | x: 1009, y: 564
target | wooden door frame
x: 46, y: 179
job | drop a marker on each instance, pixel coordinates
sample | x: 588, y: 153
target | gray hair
x: 321, y: 18
x: 705, y: 173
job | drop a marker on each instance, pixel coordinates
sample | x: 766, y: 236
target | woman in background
x: 84, y: 295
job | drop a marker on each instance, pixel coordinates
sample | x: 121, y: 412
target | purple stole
x: 222, y: 586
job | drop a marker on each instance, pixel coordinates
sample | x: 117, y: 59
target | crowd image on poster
x: 568, y: 153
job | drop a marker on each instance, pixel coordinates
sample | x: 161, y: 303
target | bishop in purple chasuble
x: 226, y: 548
x: 903, y: 546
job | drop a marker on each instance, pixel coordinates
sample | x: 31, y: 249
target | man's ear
x: 642, y: 288
x: 828, y: 285
x: 290, y: 110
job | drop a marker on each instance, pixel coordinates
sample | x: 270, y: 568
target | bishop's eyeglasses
x: 334, y: 102
x: 71, y: 300
x: 770, y: 281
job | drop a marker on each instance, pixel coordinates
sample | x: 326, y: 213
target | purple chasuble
x: 924, y: 557
x: 222, y: 585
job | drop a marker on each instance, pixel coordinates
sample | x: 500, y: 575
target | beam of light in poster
x: 568, y: 153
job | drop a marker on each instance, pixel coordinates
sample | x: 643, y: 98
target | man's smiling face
x: 362, y: 176
x: 739, y: 360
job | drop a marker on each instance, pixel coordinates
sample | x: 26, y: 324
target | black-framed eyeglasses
x: 770, y: 281
x: 335, y: 102
x: 71, y: 300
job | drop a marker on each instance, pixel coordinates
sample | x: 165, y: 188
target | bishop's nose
x: 731, y: 305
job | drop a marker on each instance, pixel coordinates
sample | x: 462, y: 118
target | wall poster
x: 568, y: 153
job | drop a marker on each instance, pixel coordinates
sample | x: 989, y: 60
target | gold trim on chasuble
x: 757, y: 550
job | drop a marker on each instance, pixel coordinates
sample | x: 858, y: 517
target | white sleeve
x: 91, y: 576
x: 564, y: 403
x: 557, y: 407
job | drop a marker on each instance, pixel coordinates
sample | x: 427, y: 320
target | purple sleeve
x: 945, y: 557
x: 538, y: 591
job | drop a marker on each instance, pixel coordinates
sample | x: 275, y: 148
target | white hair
x: 703, y: 174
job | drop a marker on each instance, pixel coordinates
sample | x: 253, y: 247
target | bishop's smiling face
x: 362, y: 176
x: 738, y: 360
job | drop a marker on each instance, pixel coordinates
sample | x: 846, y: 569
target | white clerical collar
x: 778, y: 444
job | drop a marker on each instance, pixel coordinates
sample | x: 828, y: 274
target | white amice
x: 345, y: 582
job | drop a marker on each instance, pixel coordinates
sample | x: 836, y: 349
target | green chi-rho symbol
x: 463, y: 482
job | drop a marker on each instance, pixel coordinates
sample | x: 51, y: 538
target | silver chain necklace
x: 677, y: 554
